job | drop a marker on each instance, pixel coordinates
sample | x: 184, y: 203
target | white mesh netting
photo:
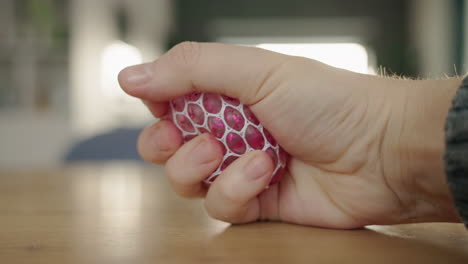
x: 232, y: 123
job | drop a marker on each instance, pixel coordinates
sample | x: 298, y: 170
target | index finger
x: 235, y: 71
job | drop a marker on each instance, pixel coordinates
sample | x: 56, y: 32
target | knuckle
x: 186, y: 54
x: 215, y: 214
x: 183, y: 193
x: 228, y: 195
x: 142, y: 149
x: 270, y: 78
x: 158, y: 159
x: 172, y: 174
x: 146, y: 149
x: 181, y: 186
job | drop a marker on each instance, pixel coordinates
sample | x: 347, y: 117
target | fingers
x: 158, y: 142
x: 192, y: 163
x: 157, y: 109
x: 235, y: 71
x: 233, y: 195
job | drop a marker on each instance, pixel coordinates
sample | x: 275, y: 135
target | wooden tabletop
x: 126, y: 213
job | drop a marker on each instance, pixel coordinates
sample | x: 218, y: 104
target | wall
x: 30, y: 139
x: 433, y: 37
x: 93, y: 28
x: 33, y: 140
x: 388, y: 20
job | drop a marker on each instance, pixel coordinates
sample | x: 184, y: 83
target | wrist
x: 424, y: 106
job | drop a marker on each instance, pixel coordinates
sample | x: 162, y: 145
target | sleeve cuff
x: 456, y: 152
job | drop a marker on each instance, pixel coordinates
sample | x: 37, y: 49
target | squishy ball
x: 231, y: 123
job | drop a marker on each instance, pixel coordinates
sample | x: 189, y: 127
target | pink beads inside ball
x: 232, y: 123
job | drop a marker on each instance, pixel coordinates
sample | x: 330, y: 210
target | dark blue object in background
x: 119, y: 144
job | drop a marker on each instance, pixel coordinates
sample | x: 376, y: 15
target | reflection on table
x: 127, y: 213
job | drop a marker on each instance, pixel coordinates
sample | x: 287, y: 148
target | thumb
x: 235, y: 71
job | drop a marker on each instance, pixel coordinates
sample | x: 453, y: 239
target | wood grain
x: 126, y: 213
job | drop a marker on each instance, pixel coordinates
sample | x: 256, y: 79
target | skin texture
x: 364, y: 149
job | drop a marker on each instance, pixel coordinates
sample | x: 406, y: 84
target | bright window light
x: 116, y: 57
x: 349, y: 56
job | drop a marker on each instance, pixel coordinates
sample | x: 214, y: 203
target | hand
x: 349, y: 135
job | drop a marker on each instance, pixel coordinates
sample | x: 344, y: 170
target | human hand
x: 347, y: 135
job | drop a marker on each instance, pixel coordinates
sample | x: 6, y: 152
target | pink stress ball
x: 232, y: 123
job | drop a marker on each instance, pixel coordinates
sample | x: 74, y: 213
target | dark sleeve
x: 456, y: 152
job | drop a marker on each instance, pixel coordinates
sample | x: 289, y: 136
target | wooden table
x: 126, y: 213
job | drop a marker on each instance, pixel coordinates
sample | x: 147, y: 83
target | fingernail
x: 137, y: 76
x: 204, y: 152
x: 257, y: 168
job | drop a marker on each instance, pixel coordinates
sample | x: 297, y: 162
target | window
x: 349, y: 56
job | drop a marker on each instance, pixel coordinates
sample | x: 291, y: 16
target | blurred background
x: 59, y: 97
